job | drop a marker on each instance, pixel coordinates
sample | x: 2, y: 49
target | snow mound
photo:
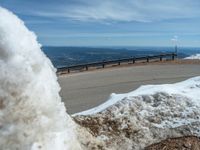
x: 188, y: 88
x: 148, y: 115
x: 197, y: 56
x: 32, y: 115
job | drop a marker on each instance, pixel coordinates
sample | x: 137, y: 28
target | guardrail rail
x: 102, y: 64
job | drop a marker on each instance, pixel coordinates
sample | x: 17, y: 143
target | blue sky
x: 111, y: 22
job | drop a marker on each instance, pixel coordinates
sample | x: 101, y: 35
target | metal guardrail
x: 118, y: 61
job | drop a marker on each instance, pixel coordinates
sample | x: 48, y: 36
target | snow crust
x: 148, y: 115
x: 196, y: 56
x: 188, y: 88
x: 32, y: 115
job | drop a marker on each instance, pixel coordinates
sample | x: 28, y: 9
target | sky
x: 111, y: 22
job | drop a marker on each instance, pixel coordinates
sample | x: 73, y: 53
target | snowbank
x: 186, y: 88
x: 197, y: 56
x: 32, y: 115
x: 148, y: 115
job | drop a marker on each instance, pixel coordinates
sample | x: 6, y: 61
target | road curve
x: 82, y: 91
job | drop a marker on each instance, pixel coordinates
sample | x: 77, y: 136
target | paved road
x: 85, y: 90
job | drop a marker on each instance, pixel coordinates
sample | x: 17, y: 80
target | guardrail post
x: 173, y: 56
x: 133, y: 60
x: 160, y: 58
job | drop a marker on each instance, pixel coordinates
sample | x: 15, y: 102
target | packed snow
x: 196, y: 56
x: 32, y: 115
x: 146, y: 116
x: 185, y: 88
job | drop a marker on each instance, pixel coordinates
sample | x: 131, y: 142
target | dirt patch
x: 97, y: 125
x: 181, y: 143
x: 2, y: 106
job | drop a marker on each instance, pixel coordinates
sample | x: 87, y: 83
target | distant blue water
x: 67, y: 56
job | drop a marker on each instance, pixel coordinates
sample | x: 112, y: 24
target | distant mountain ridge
x: 67, y: 56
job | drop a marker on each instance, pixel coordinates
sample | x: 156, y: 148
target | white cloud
x: 125, y: 10
x: 175, y: 39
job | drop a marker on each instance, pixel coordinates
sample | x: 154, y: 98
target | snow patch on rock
x: 148, y: 115
x: 196, y: 56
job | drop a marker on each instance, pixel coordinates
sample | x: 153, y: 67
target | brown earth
x: 94, y: 125
x: 181, y: 143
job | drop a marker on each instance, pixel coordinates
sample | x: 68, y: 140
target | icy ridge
x: 188, y: 88
x: 145, y: 116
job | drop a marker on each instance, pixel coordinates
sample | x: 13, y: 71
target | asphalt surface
x: 82, y: 91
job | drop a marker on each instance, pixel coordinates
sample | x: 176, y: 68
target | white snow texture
x: 148, y: 115
x: 196, y: 56
x: 32, y: 115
